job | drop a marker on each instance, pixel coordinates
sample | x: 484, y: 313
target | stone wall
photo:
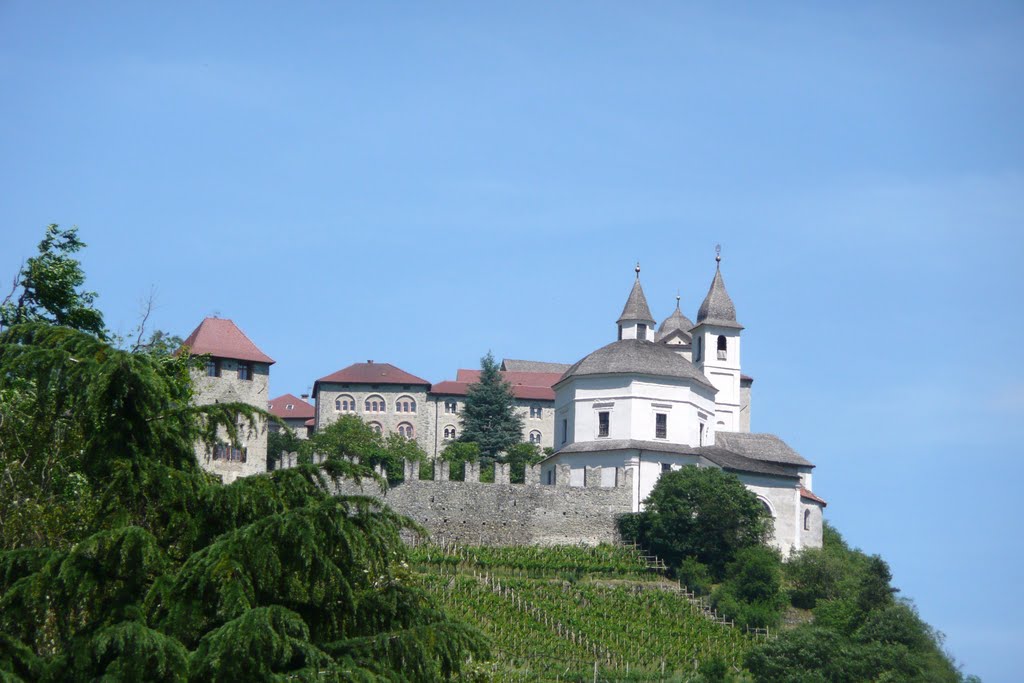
x: 228, y: 388
x: 504, y: 514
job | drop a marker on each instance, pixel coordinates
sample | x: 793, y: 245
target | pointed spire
x: 636, y: 305
x: 717, y: 308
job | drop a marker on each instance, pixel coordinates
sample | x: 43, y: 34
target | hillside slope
x: 557, y: 613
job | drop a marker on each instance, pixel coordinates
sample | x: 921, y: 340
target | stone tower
x: 235, y: 371
x: 716, y: 351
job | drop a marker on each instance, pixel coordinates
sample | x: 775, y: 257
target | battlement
x: 503, y: 513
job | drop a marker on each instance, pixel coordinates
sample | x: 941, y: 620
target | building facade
x: 235, y: 371
x: 654, y: 401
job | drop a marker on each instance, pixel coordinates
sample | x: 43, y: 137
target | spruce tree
x: 489, y: 418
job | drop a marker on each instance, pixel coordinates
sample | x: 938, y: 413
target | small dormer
x: 636, y: 321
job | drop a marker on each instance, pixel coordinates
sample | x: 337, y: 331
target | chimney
x: 369, y: 362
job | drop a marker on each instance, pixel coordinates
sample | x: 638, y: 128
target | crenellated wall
x: 503, y: 513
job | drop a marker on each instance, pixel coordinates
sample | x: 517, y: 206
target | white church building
x: 659, y: 399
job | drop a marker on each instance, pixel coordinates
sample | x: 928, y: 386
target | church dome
x: 675, y: 322
x: 636, y: 357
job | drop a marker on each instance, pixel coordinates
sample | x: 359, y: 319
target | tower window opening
x: 807, y: 520
x: 565, y: 430
x: 602, y: 423
x: 661, y: 426
x: 722, y: 353
x: 697, y: 349
x: 641, y: 332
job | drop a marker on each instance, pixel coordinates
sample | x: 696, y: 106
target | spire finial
x: 718, y: 255
x: 637, y: 270
x: 677, y: 299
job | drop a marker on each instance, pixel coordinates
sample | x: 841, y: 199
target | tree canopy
x: 121, y: 559
x: 48, y: 287
x: 699, y: 512
x: 489, y: 418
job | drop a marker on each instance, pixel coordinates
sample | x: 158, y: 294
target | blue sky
x: 419, y: 183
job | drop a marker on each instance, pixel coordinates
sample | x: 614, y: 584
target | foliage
x: 860, y: 630
x: 281, y: 440
x: 458, y: 453
x: 614, y: 611
x: 699, y: 512
x: 751, y: 594
x: 160, y: 343
x: 165, y: 574
x: 47, y: 288
x: 489, y: 418
x: 694, y: 575
x: 519, y: 457
x: 350, y: 437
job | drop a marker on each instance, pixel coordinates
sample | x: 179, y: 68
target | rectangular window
x: 641, y: 332
x: 661, y: 426
x: 213, y: 368
x: 565, y: 430
x: 535, y: 411
x: 602, y: 423
x: 244, y: 371
x: 666, y: 467
x: 228, y: 453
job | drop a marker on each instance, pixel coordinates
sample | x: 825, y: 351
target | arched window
x: 534, y: 436
x: 766, y: 506
x: 721, y: 347
x: 345, y: 404
x: 807, y: 520
x: 405, y: 404
x: 405, y: 429
x: 375, y: 426
x: 449, y: 433
x: 375, y: 404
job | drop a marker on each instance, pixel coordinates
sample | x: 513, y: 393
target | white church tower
x: 636, y: 321
x: 716, y: 350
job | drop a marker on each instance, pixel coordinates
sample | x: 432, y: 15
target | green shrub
x: 695, y: 576
x: 751, y: 594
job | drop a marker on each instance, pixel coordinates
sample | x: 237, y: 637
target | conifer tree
x: 489, y: 418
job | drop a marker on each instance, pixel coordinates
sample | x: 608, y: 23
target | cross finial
x: 677, y: 299
x: 637, y: 270
x: 718, y: 253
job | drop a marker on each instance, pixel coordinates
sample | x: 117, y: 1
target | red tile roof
x: 372, y: 373
x: 456, y: 388
x: 299, y: 408
x: 530, y: 379
x: 804, y: 493
x: 310, y: 422
x: 220, y: 337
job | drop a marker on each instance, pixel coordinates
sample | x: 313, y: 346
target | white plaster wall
x: 724, y: 374
x: 632, y: 403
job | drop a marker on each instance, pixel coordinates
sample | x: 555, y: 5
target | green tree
x: 281, y: 440
x: 489, y: 418
x: 169, y: 575
x: 751, y: 594
x: 48, y: 287
x: 458, y: 453
x: 519, y: 457
x: 350, y: 437
x: 699, y: 512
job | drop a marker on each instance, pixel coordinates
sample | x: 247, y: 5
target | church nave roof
x: 637, y: 357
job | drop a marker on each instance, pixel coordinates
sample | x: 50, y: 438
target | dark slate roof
x: 636, y: 307
x: 766, y: 447
x: 637, y: 357
x: 299, y: 408
x: 533, y: 366
x: 675, y: 322
x: 220, y: 337
x: 714, y: 454
x: 717, y: 308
